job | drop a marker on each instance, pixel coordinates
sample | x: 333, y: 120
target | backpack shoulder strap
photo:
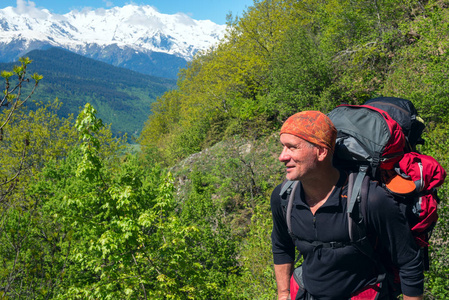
x: 355, y: 188
x: 358, y: 190
x: 286, y: 189
x: 287, y: 197
x: 288, y: 215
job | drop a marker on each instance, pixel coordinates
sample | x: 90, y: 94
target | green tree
x: 13, y: 94
x: 218, y: 91
x: 31, y: 139
x: 14, y: 97
x: 118, y: 231
x: 33, y: 260
x: 300, y: 81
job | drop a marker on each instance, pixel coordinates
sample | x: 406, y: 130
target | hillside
x: 122, y: 97
x: 189, y: 216
x: 285, y: 57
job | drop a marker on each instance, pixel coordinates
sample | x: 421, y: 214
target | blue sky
x: 215, y: 10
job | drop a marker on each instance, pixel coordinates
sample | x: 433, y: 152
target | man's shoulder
x: 376, y: 187
x: 277, y: 189
x: 378, y: 197
x: 284, y: 187
x: 275, y: 194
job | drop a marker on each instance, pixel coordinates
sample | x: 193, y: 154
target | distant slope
x: 146, y: 62
x: 121, y: 97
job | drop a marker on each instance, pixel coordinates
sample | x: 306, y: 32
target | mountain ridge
x: 119, y: 36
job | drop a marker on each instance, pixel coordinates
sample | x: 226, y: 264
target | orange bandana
x: 312, y: 126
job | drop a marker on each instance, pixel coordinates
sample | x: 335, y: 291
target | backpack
x: 372, y: 145
x: 411, y: 177
x: 405, y: 114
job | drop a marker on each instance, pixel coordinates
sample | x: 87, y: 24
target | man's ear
x: 322, y: 153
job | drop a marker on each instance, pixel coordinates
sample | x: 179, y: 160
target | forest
x: 121, y: 96
x: 85, y: 216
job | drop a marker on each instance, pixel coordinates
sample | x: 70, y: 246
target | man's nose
x: 284, y: 155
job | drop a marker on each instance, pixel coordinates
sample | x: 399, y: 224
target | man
x: 319, y: 214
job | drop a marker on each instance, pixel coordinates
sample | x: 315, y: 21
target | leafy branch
x: 12, y: 94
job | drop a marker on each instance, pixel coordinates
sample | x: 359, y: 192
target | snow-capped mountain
x: 120, y: 35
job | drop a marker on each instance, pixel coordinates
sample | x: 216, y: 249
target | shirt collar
x: 334, y: 198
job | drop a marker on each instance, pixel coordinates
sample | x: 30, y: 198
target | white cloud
x: 100, y: 11
x: 143, y: 20
x: 29, y: 8
x: 108, y: 3
x: 185, y: 19
x: 131, y: 3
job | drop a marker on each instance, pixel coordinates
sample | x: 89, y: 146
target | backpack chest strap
x: 316, y: 245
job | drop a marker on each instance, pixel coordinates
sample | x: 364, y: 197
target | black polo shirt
x: 337, y: 273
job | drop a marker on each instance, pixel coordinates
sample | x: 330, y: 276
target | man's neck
x: 317, y: 190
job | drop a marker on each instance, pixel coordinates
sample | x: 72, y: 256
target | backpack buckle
x: 335, y: 245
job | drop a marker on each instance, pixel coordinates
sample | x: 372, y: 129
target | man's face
x: 299, y: 156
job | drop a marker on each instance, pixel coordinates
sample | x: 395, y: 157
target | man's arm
x: 385, y: 215
x: 282, y: 247
x: 283, y: 273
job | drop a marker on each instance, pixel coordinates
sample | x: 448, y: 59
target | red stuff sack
x: 426, y: 174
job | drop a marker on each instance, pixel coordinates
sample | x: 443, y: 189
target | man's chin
x: 290, y: 176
